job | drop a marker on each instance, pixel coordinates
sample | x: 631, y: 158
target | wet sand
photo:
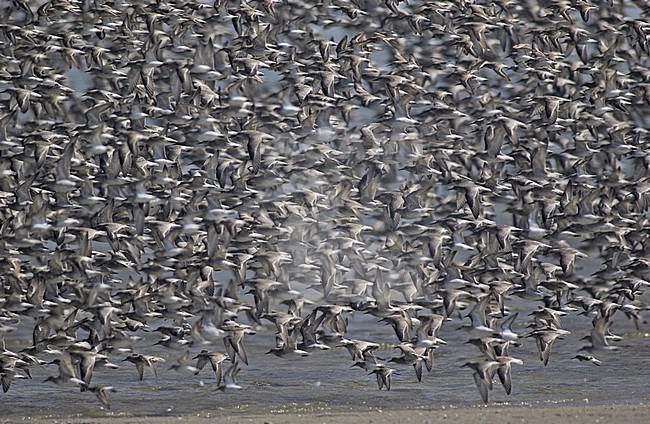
x: 587, y: 414
x: 322, y: 388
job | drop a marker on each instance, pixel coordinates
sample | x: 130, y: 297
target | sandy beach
x: 588, y: 414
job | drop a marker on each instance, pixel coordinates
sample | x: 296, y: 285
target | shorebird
x: 183, y: 363
x: 384, y: 376
x: 360, y: 350
x: 544, y: 337
x: 589, y: 359
x: 186, y: 170
x: 415, y: 356
x: 66, y: 375
x: 483, y: 374
x: 599, y: 336
x: 479, y: 326
x: 234, y: 341
x: 86, y: 358
x: 506, y: 328
x: 140, y: 361
x: 102, y: 394
x: 504, y: 371
x: 429, y: 329
x: 8, y: 364
x: 214, y: 358
x: 229, y: 376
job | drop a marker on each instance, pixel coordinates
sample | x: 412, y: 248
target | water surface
x: 324, y: 381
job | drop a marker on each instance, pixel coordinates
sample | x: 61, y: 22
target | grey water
x: 325, y: 381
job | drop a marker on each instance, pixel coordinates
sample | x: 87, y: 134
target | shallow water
x: 324, y: 381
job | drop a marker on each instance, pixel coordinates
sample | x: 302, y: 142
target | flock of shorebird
x: 203, y: 170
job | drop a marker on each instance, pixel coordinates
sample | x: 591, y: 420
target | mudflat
x: 587, y: 414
